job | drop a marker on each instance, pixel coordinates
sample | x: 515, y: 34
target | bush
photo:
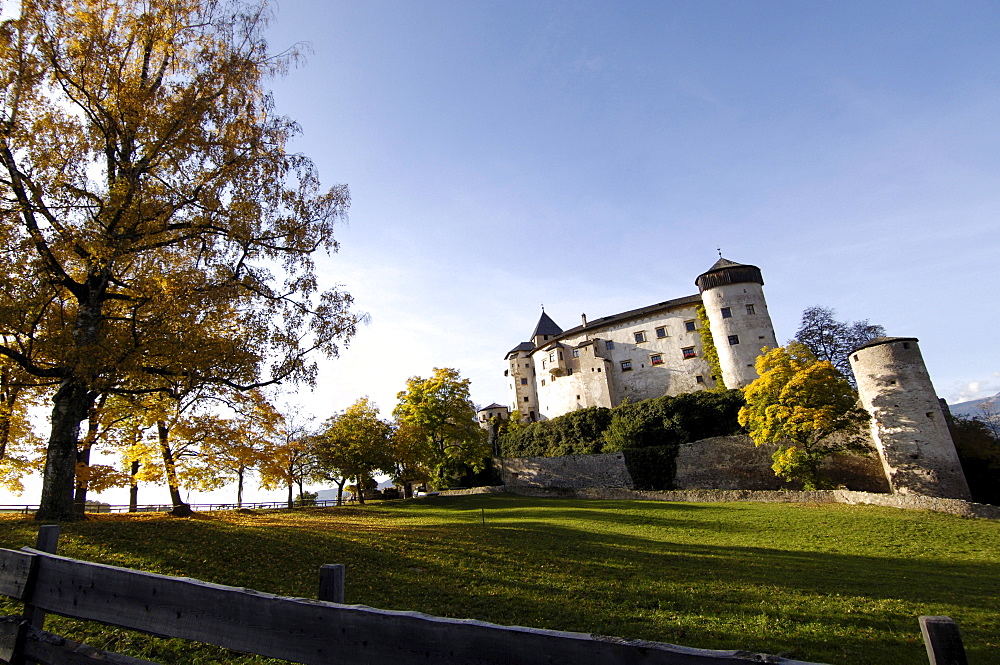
x: 662, y: 421
x: 979, y: 453
x: 306, y: 499
x: 653, y: 468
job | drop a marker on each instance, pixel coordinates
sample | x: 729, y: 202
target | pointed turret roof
x: 723, y: 263
x: 546, y: 326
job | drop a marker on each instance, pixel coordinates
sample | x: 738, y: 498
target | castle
x: 643, y: 353
x: 659, y: 350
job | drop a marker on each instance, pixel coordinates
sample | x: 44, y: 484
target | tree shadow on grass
x: 537, y: 563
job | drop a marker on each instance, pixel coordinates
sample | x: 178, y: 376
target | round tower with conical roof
x: 733, y: 296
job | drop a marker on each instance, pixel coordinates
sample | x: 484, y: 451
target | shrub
x: 662, y: 421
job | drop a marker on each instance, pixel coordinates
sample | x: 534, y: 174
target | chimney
x: 584, y: 317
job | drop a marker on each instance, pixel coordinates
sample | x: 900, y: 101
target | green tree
x: 354, y: 444
x: 439, y: 408
x: 805, y: 406
x: 147, y: 189
x: 833, y: 340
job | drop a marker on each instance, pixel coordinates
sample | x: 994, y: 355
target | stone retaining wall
x: 904, y: 501
x: 721, y: 462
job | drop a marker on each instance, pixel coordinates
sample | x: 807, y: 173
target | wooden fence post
x: 331, y: 582
x: 47, y: 541
x: 943, y: 641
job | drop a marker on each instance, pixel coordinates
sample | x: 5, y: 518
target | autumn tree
x: 289, y: 460
x: 246, y: 437
x: 439, y: 408
x: 412, y: 451
x: 806, y: 407
x: 146, y: 188
x: 832, y: 340
x: 354, y: 444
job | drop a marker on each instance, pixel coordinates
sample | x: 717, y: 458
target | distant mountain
x: 972, y: 407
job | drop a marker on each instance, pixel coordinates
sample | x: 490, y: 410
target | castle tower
x: 521, y: 374
x: 907, y: 423
x: 733, y: 296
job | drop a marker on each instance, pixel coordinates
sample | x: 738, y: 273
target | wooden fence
x: 321, y: 632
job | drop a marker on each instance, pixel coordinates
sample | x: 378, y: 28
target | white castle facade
x: 643, y: 353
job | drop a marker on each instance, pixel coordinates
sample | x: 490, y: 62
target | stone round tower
x: 907, y: 424
x: 733, y: 296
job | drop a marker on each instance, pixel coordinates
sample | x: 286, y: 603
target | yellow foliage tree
x: 147, y: 188
x: 805, y: 406
x: 440, y: 409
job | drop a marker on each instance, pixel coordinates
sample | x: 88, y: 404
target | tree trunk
x: 70, y: 406
x: 291, y: 485
x: 180, y: 508
x: 9, y: 394
x: 83, y: 454
x: 80, y: 484
x: 361, y: 490
x: 407, y: 490
x: 340, y: 491
x: 239, y: 488
x: 133, y: 490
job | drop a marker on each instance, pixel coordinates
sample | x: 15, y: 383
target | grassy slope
x: 831, y: 583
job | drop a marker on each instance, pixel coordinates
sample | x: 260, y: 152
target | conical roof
x: 725, y: 272
x: 546, y: 326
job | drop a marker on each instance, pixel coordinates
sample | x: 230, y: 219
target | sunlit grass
x: 827, y: 583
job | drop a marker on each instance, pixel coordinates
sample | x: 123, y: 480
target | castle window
x: 527, y: 364
x: 560, y: 355
x: 506, y: 372
x: 578, y: 397
x: 526, y: 399
x: 609, y: 345
x: 543, y: 364
x: 598, y: 370
x: 750, y: 309
x: 532, y: 414
x: 524, y: 382
x: 640, y: 337
x: 552, y: 356
x: 576, y: 353
x: 626, y: 365
x: 656, y: 359
x: 699, y: 379
x: 689, y: 326
x: 688, y: 352
x: 661, y: 332
x: 543, y: 382
x: 734, y: 340
x: 569, y: 371
x: 727, y: 313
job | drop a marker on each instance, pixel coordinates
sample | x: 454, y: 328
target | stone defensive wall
x: 905, y: 501
x: 718, y: 463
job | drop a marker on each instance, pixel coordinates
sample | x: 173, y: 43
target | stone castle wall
x: 724, y: 463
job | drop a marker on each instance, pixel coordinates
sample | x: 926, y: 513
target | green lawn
x: 827, y: 583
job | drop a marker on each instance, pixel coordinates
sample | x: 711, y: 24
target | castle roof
x: 725, y: 272
x: 631, y: 314
x: 494, y: 405
x: 523, y: 346
x: 546, y: 326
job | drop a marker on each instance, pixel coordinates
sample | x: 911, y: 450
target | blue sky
x: 591, y: 156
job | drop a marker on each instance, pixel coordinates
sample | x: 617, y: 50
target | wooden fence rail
x: 299, y: 630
